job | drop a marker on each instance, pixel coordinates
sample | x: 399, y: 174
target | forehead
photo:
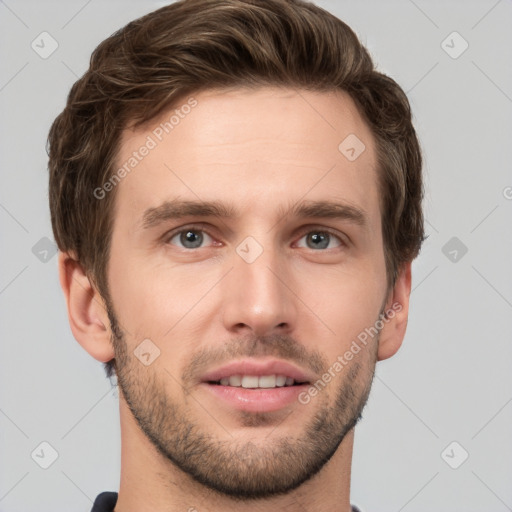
x: 260, y: 149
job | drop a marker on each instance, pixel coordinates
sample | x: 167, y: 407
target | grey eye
x: 320, y: 240
x: 190, y: 238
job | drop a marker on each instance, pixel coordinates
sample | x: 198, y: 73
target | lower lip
x: 256, y: 400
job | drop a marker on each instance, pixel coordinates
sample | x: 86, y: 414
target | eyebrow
x: 177, y: 209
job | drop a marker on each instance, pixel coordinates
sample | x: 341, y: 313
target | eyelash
x: 319, y: 229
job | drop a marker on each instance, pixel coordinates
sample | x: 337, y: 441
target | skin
x: 260, y: 150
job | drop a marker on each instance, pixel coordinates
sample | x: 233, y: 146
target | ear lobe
x: 397, y: 308
x: 87, y: 314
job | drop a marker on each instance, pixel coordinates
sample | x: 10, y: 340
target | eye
x: 189, y: 238
x: 321, y: 239
x: 193, y: 237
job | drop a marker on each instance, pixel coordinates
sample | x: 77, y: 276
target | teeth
x: 250, y: 381
x: 280, y: 380
x: 253, y: 381
x: 235, y: 380
x: 267, y: 381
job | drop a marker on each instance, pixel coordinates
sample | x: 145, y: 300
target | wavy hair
x: 192, y: 45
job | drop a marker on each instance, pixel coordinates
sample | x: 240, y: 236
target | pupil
x: 191, y: 240
x: 320, y: 240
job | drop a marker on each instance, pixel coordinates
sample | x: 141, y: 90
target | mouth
x: 257, y: 381
x: 258, y: 373
x: 256, y: 385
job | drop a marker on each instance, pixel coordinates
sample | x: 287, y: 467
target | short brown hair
x: 193, y: 45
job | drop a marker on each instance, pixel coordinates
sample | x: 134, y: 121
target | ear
x: 397, y: 308
x: 87, y: 313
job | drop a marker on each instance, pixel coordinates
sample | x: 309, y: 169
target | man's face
x: 286, y: 293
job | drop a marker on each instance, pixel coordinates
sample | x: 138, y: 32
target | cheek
x: 343, y: 302
x: 151, y: 299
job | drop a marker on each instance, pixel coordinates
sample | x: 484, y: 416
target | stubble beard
x: 243, y: 470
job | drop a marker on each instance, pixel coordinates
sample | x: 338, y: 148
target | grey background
x: 451, y: 380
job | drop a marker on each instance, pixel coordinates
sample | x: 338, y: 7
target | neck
x: 151, y: 482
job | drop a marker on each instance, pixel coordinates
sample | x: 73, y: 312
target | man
x: 236, y: 195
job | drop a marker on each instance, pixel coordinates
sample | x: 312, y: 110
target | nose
x: 258, y: 296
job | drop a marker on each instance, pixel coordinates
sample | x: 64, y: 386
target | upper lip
x: 257, y: 368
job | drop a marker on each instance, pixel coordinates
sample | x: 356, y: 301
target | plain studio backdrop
x: 435, y: 434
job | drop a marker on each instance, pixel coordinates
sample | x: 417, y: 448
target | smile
x: 255, y: 381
